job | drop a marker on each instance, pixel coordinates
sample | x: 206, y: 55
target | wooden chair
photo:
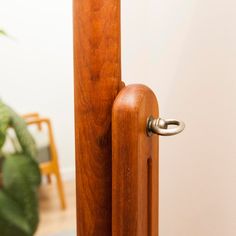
x: 47, y: 153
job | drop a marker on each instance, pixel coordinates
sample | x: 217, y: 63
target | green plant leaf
x: 25, y: 138
x: 20, y: 181
x: 19, y: 164
x: 11, y: 212
x: 4, y: 122
x: 2, y: 33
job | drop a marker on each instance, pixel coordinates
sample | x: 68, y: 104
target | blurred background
x: 36, y: 75
x: 185, y: 51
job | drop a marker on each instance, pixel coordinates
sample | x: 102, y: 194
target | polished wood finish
x: 97, y: 82
x: 51, y: 167
x: 134, y: 164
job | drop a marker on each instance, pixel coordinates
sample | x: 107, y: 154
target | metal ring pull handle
x: 160, y: 126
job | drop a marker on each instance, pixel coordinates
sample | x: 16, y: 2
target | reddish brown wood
x: 97, y: 82
x: 134, y: 164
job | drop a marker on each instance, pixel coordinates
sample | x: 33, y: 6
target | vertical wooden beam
x: 134, y: 164
x: 97, y: 82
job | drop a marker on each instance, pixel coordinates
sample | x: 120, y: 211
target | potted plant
x: 20, y: 178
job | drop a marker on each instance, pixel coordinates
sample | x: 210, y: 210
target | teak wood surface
x: 97, y: 70
x: 134, y: 164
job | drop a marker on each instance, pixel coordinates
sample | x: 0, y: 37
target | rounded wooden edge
x: 131, y: 109
x: 132, y: 96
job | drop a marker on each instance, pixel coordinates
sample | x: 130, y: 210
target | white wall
x: 185, y: 50
x: 36, y: 67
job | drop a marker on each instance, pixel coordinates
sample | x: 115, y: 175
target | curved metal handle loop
x: 160, y: 126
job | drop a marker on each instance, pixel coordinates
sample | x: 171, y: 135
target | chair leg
x: 60, y: 190
x: 49, y: 179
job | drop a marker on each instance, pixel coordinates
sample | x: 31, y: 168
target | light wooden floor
x: 52, y: 219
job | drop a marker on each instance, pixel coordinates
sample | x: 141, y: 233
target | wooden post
x: 97, y: 82
x: 134, y: 164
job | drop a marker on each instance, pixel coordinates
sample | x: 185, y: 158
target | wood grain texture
x: 97, y: 81
x: 134, y: 164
